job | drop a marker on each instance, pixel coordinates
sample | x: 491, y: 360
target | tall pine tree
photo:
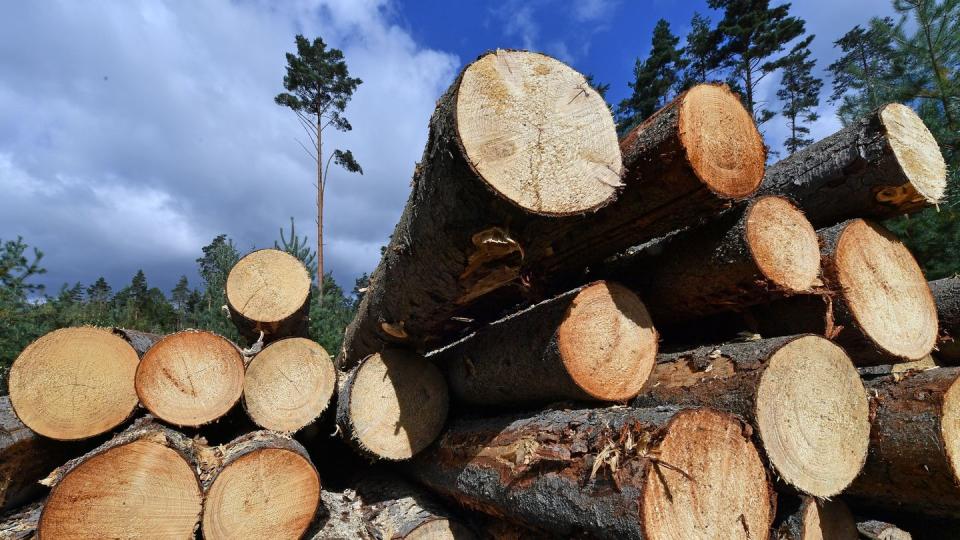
x: 699, y: 57
x: 799, y: 94
x: 655, y: 79
x: 868, y: 71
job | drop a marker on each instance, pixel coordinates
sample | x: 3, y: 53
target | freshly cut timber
x: 396, y: 510
x: 879, y: 530
x: 21, y: 524
x: 883, y: 165
x: 140, y: 341
x: 914, y: 461
x: 607, y: 473
x: 190, y: 378
x: 74, y: 383
x: 141, y: 484
x: 266, y: 487
x: 801, y: 394
x: 683, y: 165
x: 392, y: 405
x: 755, y: 254
x: 593, y: 343
x: 817, y: 519
x: 289, y: 384
x: 268, y: 291
x: 946, y: 294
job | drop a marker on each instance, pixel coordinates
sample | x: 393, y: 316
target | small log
x: 289, y: 384
x: 464, y: 251
x: 266, y: 487
x: 946, y: 294
x: 140, y: 341
x: 392, y: 405
x: 268, y: 291
x: 396, y: 510
x: 190, y: 378
x: 141, y: 483
x: 754, y: 254
x: 607, y: 473
x: 801, y: 394
x: 74, y: 383
x: 21, y: 524
x: 883, y: 165
x: 879, y: 530
x: 914, y: 456
x: 341, y: 517
x: 813, y: 519
x: 593, y: 343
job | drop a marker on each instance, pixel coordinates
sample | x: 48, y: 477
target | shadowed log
x: 816, y: 520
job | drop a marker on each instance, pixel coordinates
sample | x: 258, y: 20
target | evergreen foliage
x: 655, y: 79
x: 799, y: 94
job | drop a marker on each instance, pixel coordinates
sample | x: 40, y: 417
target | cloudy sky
x: 132, y: 133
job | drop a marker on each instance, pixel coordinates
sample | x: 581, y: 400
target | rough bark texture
x: 393, y: 508
x: 296, y: 325
x: 21, y: 524
x: 946, y: 293
x: 140, y: 341
x: 879, y: 530
x: 807, y: 518
x: 852, y: 173
x: 908, y: 467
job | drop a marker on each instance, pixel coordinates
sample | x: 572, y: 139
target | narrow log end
x: 190, y: 378
x: 827, y: 520
x: 918, y: 154
x: 267, y: 286
x: 950, y: 427
x: 398, y: 404
x: 537, y: 133
x: 885, y: 290
x: 74, y: 383
x: 783, y: 244
x: 265, y: 493
x: 289, y: 384
x: 723, y: 145
x: 136, y: 490
x: 707, y: 481
x: 607, y: 342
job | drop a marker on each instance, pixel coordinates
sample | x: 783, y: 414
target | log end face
x: 190, y: 378
x: 828, y: 520
x: 707, y: 481
x: 267, y: 286
x: 813, y: 417
x: 950, y: 427
x: 607, y: 342
x: 289, y: 384
x: 917, y: 152
x: 538, y: 134
x: 266, y: 493
x: 783, y: 244
x: 723, y: 145
x: 885, y: 290
x: 74, y: 383
x: 398, y: 404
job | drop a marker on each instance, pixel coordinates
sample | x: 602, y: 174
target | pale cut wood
x: 268, y: 291
x: 595, y: 342
x: 879, y: 530
x: 74, y: 383
x: 817, y: 519
x: 946, y: 294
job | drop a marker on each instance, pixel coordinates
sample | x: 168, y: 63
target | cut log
x: 392, y: 405
x: 267, y: 487
x: 756, y: 254
x: 878, y: 530
x: 607, y: 473
x: 685, y: 164
x: 142, y: 483
x: 140, y: 341
x: 74, y: 383
x: 801, y: 394
x: 289, y: 384
x: 21, y: 524
x: 396, y: 510
x: 268, y: 291
x: 883, y: 165
x: 593, y: 343
x: 190, y: 378
x: 914, y: 461
x: 946, y: 294
x: 817, y: 520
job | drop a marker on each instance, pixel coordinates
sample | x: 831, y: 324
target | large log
x: 190, y: 378
x: 460, y: 243
x: 74, y: 383
x: 946, y: 294
x: 801, y: 394
x: 883, y: 165
x: 265, y: 487
x: 289, y: 384
x: 392, y: 405
x: 914, y: 461
x: 813, y: 519
x: 753, y: 254
x: 607, y: 473
x: 592, y: 343
x: 141, y: 483
x: 268, y: 291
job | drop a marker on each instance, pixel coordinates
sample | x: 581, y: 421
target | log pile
x: 569, y: 335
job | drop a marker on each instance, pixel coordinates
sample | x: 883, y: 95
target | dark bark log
x: 802, y: 396
x: 394, y: 509
x: 914, y: 443
x: 268, y: 296
x: 808, y: 518
x: 140, y: 341
x: 879, y: 530
x: 21, y: 524
x: 606, y: 473
x: 946, y: 293
x: 883, y: 165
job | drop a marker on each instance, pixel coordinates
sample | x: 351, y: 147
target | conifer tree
x: 868, y: 71
x: 180, y: 297
x: 799, y: 94
x: 654, y: 79
x: 699, y: 56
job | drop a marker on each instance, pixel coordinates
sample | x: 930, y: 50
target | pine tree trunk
x: 320, y: 187
x: 946, y: 293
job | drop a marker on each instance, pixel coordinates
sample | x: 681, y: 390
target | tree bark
x: 913, y: 463
x: 879, y: 530
x: 606, y: 473
x: 268, y: 296
x: 21, y: 524
x: 397, y: 510
x: 801, y: 395
x: 811, y: 519
x: 593, y: 343
x: 881, y: 166
x: 140, y: 341
x: 946, y: 293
